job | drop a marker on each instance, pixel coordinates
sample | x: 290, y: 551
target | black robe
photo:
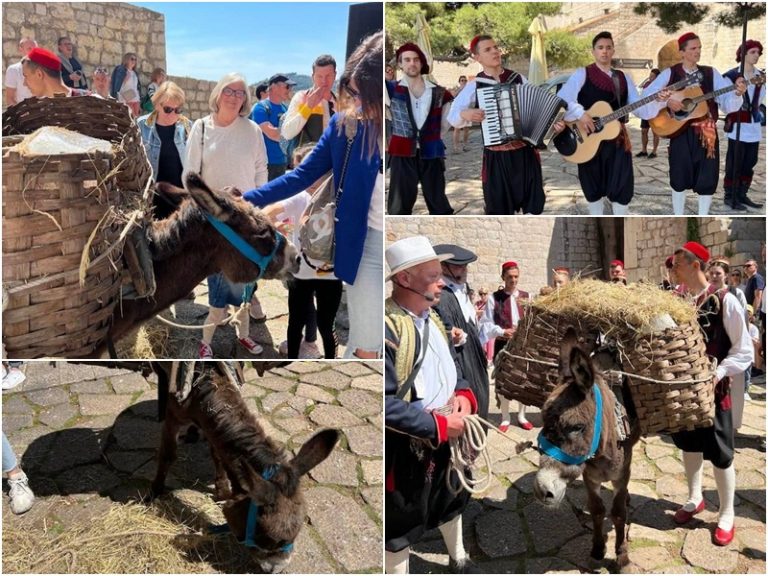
x: 471, y: 356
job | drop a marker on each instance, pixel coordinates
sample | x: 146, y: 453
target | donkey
x: 264, y: 504
x: 186, y: 249
x: 582, y: 435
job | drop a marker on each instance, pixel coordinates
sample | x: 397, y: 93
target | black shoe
x: 465, y: 567
x: 751, y: 203
x: 728, y: 197
x: 641, y: 154
x: 652, y: 155
x: 736, y: 205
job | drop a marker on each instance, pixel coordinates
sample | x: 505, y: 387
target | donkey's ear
x: 262, y: 492
x: 314, y: 451
x: 206, y: 198
x: 568, y: 343
x: 581, y: 369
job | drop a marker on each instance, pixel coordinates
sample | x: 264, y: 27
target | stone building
x: 585, y: 245
x: 636, y: 37
x: 102, y: 32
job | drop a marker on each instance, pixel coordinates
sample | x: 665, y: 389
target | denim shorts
x: 222, y: 292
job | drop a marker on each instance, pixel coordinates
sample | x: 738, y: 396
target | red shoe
x: 683, y: 516
x: 723, y: 538
x: 504, y: 426
x: 526, y: 425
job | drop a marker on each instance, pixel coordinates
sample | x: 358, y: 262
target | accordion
x: 518, y: 112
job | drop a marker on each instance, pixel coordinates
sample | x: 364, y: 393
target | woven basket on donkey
x: 61, y: 295
x: 680, y: 395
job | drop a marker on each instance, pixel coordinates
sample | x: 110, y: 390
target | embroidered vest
x: 750, y: 104
x: 406, y: 138
x: 711, y: 322
x: 599, y: 86
x: 707, y: 85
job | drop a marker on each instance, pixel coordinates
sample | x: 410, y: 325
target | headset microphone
x: 428, y: 296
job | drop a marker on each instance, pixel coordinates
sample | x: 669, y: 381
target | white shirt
x: 570, y: 93
x: 488, y: 328
x: 750, y: 131
x: 232, y: 155
x: 460, y: 291
x: 422, y: 105
x: 466, y: 99
x: 376, y: 209
x: 15, y: 79
x: 728, y: 102
x: 436, y: 381
x: 129, y: 91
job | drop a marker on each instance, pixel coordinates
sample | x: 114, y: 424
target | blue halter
x: 243, y: 247
x: 546, y: 447
x: 253, y: 518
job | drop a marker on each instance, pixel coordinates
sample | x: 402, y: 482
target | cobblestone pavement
x: 561, y: 184
x: 507, y: 530
x: 88, y: 436
x: 183, y: 343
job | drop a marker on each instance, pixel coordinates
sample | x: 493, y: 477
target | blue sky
x: 209, y: 39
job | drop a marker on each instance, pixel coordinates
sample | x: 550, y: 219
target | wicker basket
x: 53, y: 207
x: 672, y: 358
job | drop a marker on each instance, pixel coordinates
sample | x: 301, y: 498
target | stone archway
x: 669, y: 55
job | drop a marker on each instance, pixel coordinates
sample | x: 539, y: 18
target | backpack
x: 146, y: 102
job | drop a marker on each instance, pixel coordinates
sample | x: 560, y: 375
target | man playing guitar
x: 694, y: 156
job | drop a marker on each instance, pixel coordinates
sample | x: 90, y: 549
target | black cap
x: 281, y: 78
x: 461, y: 256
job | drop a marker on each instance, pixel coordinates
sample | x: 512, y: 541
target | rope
x: 227, y: 320
x: 629, y: 374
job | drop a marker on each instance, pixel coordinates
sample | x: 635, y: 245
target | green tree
x: 671, y: 16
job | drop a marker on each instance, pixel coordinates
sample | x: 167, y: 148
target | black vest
x: 599, y: 86
x: 707, y: 85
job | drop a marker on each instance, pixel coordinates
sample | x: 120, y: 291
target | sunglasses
x: 169, y: 110
x: 235, y: 93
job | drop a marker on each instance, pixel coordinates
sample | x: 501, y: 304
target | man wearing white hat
x: 426, y: 402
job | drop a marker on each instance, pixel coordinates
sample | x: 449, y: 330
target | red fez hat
x: 45, y: 58
x: 697, y: 250
x: 669, y: 261
x: 748, y: 45
x: 473, y: 42
x: 617, y: 263
x: 561, y: 270
x: 684, y: 38
x: 411, y: 47
x: 507, y: 265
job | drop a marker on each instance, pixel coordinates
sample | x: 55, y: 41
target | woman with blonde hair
x: 227, y: 149
x: 126, y: 86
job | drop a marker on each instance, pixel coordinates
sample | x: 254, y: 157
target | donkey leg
x: 222, y: 489
x: 619, y: 517
x: 166, y: 454
x: 597, y: 510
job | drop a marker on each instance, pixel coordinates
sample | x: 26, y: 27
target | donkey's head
x: 567, y: 438
x: 274, y: 255
x: 268, y: 519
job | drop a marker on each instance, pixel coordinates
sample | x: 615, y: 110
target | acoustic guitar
x: 669, y: 124
x: 578, y: 147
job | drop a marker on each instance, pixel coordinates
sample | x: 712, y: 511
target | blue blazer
x: 352, y: 211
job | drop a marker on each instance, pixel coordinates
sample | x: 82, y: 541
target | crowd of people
x: 440, y: 338
x: 511, y: 173
x: 250, y: 146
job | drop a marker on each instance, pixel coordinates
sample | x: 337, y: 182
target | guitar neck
x: 624, y: 110
x: 714, y: 94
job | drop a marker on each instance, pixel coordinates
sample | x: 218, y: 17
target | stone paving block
x: 94, y: 478
x: 39, y: 376
x: 339, y: 468
x: 251, y: 391
x: 129, y: 383
x: 306, y: 367
x: 293, y: 423
x: 373, y: 497
x: 649, y: 558
x: 275, y: 383
x: 752, y: 542
x: 56, y: 417
x: 376, y: 366
x: 15, y: 404
x: 47, y: 396
x: 15, y: 422
x: 373, y: 471
x: 577, y: 552
x: 270, y: 402
x: 750, y: 479
x: 754, y: 495
x: 134, y: 434
x: 500, y: 533
x: 550, y: 528
x: 69, y: 373
x: 640, y: 532
x: 97, y: 404
x: 550, y: 566
x: 327, y: 379
x: 353, y: 539
x: 360, y: 402
x: 352, y: 368
x: 697, y: 550
x: 333, y: 416
x: 500, y: 497
x: 130, y: 461
x: 670, y: 465
x: 364, y: 440
x: 315, y: 393
x: 377, y: 420
x: 99, y: 386
x: 373, y: 383
x: 309, y: 555
x: 69, y: 449
x: 300, y: 404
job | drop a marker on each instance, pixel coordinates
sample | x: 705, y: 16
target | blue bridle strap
x: 243, y: 247
x: 546, y: 447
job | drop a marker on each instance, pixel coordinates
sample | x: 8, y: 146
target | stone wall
x: 101, y: 31
x: 536, y: 244
x: 196, y: 93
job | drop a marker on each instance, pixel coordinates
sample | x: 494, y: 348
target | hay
x: 614, y: 307
x: 129, y: 538
x: 149, y: 341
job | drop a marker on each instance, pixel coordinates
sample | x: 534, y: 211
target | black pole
x: 736, y: 172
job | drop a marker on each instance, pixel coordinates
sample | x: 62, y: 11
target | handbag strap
x: 408, y: 384
x: 202, y: 145
x: 340, y: 188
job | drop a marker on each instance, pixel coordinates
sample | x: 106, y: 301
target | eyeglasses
x: 132, y: 59
x: 100, y: 70
x: 235, y: 93
x: 169, y: 110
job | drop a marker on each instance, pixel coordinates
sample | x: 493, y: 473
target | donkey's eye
x: 575, y: 430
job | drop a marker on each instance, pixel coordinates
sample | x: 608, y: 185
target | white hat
x: 410, y: 252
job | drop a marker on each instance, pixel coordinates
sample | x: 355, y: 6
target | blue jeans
x: 365, y: 299
x: 222, y: 292
x: 9, y: 456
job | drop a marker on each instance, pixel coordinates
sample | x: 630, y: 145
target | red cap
x: 669, y: 262
x: 748, y: 45
x: 473, y: 43
x: 697, y: 250
x: 684, y: 38
x: 507, y: 265
x: 411, y: 47
x: 617, y: 263
x: 45, y: 58
x: 561, y: 270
